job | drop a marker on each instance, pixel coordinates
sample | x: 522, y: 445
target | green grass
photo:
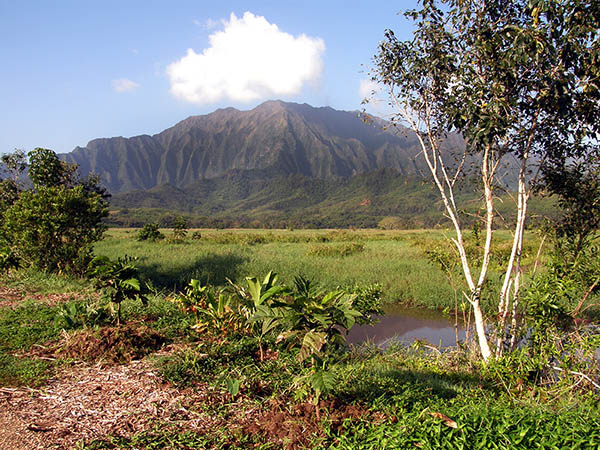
x: 35, y: 282
x: 405, y: 387
x: 28, y: 325
x: 389, y: 258
x: 394, y: 259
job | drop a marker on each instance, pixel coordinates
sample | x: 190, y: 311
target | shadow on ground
x: 408, y: 386
x: 209, y: 269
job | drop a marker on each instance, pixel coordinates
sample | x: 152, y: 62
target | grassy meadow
x: 232, y: 397
x: 397, y: 260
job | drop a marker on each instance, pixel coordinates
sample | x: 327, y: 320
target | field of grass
x: 394, y: 259
x: 415, y: 397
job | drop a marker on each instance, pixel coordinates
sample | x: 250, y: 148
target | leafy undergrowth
x: 40, y: 332
x: 396, y: 399
x: 224, y: 392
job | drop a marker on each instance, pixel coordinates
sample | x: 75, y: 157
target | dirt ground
x: 90, y: 402
x: 94, y: 401
x: 124, y: 395
x: 11, y: 297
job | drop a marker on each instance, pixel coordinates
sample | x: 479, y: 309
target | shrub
x: 180, y: 227
x: 118, y: 280
x: 54, y: 228
x: 150, y: 233
x: 54, y: 225
x: 390, y: 223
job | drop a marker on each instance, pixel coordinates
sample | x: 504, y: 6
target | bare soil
x: 12, y: 297
x: 91, y: 402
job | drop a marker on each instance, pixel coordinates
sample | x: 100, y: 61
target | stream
x: 399, y: 324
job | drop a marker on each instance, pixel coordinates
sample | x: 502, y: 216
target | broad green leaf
x: 312, y: 343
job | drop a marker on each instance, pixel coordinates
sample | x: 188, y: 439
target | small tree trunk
x: 480, y: 327
x: 514, y: 262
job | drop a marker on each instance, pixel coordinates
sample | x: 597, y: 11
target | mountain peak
x: 313, y: 142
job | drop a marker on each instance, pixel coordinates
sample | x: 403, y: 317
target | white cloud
x: 248, y: 60
x: 368, y: 88
x: 210, y: 24
x: 124, y: 85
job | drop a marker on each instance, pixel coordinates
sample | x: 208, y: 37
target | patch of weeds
x: 34, y: 281
x: 345, y: 249
x: 18, y: 371
x: 161, y: 315
x: 112, y: 344
x: 26, y: 329
x: 169, y: 437
x: 239, y: 359
x: 29, y: 324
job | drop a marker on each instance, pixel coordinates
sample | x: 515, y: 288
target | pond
x: 408, y: 325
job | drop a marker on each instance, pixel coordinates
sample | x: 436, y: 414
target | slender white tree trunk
x: 445, y: 184
x: 513, y: 269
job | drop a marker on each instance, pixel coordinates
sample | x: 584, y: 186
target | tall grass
x: 331, y: 258
x: 395, y: 259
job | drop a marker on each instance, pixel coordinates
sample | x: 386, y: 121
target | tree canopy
x: 518, y: 80
x: 53, y: 225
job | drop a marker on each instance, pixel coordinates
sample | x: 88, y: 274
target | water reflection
x: 406, y: 325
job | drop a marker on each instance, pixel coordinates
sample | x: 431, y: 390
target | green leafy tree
x: 14, y: 164
x: 12, y: 167
x: 180, y: 228
x: 118, y: 279
x: 518, y: 80
x: 45, y: 169
x: 54, y: 226
x: 150, y: 232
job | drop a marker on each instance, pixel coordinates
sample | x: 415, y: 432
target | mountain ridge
x: 279, y: 138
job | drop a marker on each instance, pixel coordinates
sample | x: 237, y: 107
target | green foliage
x: 75, y: 315
x: 14, y: 164
x: 53, y: 226
x: 391, y: 223
x: 180, y: 228
x: 118, y: 279
x: 45, y: 169
x: 345, y: 249
x: 150, y: 232
x: 578, y: 189
x: 314, y: 322
x: 367, y: 300
x: 9, y: 194
x: 215, y: 311
x: 8, y: 260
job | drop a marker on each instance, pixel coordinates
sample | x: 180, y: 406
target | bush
x: 390, y: 223
x: 150, y: 233
x: 345, y: 249
x: 54, y: 228
x: 54, y: 225
x: 180, y: 228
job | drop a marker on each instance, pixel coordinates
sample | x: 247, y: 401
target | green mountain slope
x: 276, y: 138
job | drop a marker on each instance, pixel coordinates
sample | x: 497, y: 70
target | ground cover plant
x: 256, y: 361
x: 395, y: 259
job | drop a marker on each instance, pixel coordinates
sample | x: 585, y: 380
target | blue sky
x: 77, y: 70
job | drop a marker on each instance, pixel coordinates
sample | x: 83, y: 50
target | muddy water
x: 406, y: 326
